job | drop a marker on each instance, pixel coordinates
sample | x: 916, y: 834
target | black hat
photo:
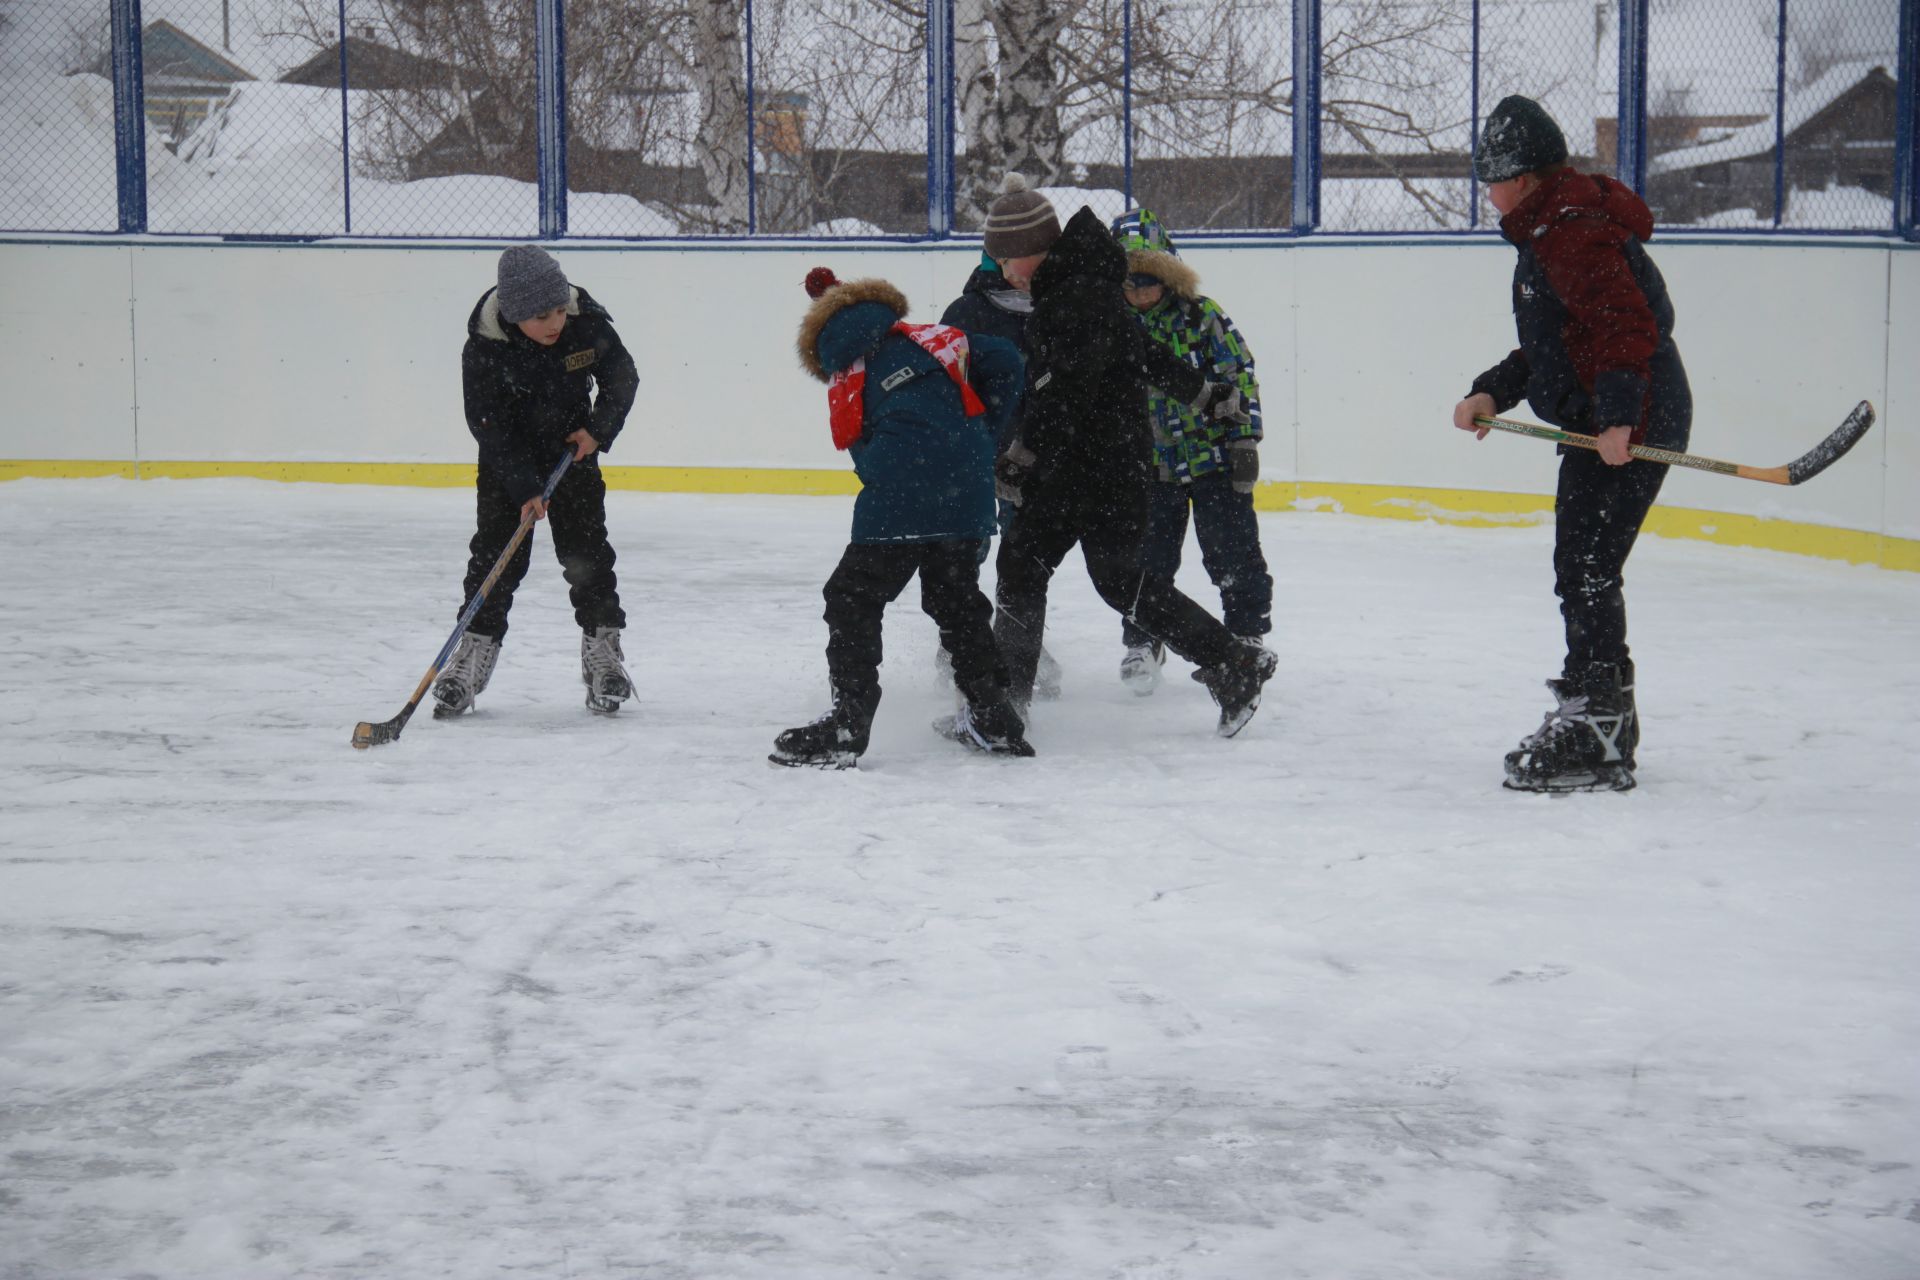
x: 1519, y: 137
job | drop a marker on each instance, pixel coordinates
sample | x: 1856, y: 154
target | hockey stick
x: 373, y: 735
x: 1799, y: 471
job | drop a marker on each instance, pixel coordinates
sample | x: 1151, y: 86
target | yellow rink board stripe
x: 1467, y: 507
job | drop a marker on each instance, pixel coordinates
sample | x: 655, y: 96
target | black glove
x: 1243, y: 465
x: 1010, y: 472
x: 1222, y: 402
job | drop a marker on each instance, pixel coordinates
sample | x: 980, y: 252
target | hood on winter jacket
x: 1083, y: 249
x: 1151, y: 252
x: 1571, y: 193
x: 846, y: 323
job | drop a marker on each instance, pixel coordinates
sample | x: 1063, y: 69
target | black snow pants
x: 1597, y: 514
x: 577, y: 515
x: 870, y: 576
x: 1106, y: 515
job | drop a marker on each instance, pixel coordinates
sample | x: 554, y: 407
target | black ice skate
x: 601, y: 671
x: 465, y: 676
x: 1236, y: 683
x: 836, y: 740
x: 1586, y: 743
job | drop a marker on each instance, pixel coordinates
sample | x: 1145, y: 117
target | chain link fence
x: 862, y: 118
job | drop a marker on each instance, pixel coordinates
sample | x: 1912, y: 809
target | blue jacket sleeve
x: 998, y: 374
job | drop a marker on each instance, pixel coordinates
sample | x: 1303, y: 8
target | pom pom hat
x: 1020, y: 222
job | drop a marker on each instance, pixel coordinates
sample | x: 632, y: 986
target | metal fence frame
x: 551, y: 109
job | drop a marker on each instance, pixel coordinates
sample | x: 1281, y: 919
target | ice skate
x: 601, y: 671
x: 1140, y: 668
x: 1586, y: 743
x: 1046, y: 678
x: 995, y: 729
x: 465, y: 676
x: 1236, y: 684
x: 826, y: 743
x: 836, y: 740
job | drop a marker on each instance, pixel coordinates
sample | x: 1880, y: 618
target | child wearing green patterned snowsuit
x: 1208, y: 467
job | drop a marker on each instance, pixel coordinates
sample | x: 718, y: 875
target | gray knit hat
x: 1021, y: 222
x: 1520, y: 137
x: 531, y: 283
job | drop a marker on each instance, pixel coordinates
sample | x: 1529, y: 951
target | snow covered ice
x: 539, y: 993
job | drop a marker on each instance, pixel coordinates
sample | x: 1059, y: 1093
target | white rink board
x: 350, y: 353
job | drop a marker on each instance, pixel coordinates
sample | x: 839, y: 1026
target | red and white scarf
x: 845, y: 394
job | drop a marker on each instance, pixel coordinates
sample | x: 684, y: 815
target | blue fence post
x: 1306, y: 116
x: 940, y: 134
x: 753, y: 142
x: 1906, y: 126
x: 1126, y: 102
x: 129, y: 115
x: 346, y: 168
x: 1473, y: 127
x: 1780, y: 119
x: 550, y: 133
x: 1631, y: 99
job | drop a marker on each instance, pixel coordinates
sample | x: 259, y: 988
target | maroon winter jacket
x: 1595, y: 321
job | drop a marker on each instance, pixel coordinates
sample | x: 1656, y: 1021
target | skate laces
x: 603, y: 654
x: 1563, y: 718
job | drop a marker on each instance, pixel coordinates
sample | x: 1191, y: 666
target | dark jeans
x: 871, y: 575
x: 1229, y: 533
x: 1598, y: 511
x: 1107, y: 517
x: 578, y: 517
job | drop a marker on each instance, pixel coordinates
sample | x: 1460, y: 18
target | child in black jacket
x: 537, y: 349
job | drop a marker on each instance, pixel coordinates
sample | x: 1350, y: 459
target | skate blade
x: 839, y: 760
x: 444, y: 712
x: 1563, y: 784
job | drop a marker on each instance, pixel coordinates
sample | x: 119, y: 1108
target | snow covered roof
x: 1758, y: 139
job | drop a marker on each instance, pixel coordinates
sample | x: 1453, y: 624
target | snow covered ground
x: 540, y: 994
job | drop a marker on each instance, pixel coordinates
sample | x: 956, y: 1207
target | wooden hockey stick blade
x: 373, y: 735
x: 1833, y: 448
x: 1801, y: 469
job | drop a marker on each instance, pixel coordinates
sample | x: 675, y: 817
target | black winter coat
x: 523, y: 400
x: 1089, y: 364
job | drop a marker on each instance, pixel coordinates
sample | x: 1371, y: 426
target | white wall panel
x: 1780, y: 342
x: 66, y: 352
x: 351, y: 353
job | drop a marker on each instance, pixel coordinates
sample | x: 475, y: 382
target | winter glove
x: 1010, y: 471
x: 1222, y: 402
x: 1243, y: 464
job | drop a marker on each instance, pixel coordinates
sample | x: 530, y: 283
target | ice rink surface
x: 547, y: 995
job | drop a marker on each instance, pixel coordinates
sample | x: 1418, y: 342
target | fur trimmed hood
x: 1151, y: 252
x: 839, y: 298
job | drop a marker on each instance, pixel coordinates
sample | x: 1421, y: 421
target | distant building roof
x: 1803, y: 107
x: 370, y: 65
x: 172, y: 59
